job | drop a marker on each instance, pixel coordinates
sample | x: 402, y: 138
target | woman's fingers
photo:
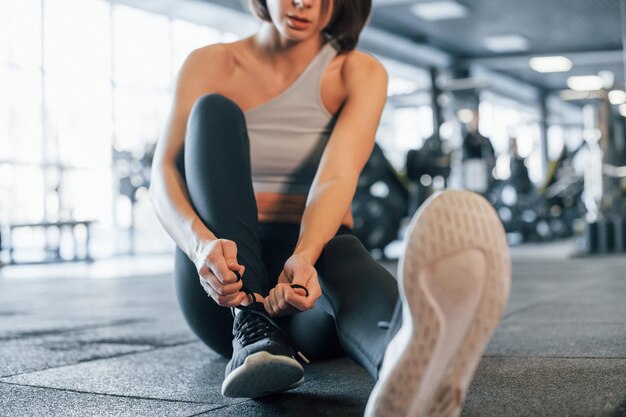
x: 315, y: 291
x: 220, y: 288
x: 282, y: 298
x: 234, y: 300
x: 298, y: 301
x: 216, y: 269
x: 302, y: 302
x: 276, y: 304
x: 229, y: 249
x: 297, y: 296
x: 267, y: 302
x: 231, y: 300
x: 221, y: 270
x: 223, y: 251
x: 300, y: 289
x: 274, y: 301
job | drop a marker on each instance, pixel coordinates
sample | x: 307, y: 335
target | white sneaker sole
x: 261, y: 374
x: 454, y: 285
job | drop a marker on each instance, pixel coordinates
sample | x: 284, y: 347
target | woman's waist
x: 289, y: 207
x: 286, y: 208
x: 274, y: 199
x: 280, y: 207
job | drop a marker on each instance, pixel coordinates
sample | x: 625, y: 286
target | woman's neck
x: 273, y: 47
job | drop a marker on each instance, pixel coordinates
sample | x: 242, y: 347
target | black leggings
x: 357, y: 291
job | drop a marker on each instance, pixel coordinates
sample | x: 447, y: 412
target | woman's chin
x: 296, y: 36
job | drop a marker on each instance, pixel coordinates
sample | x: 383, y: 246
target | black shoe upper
x: 255, y: 331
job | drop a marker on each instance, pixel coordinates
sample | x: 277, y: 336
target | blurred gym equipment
x: 605, y: 179
x: 428, y: 168
x: 52, y: 249
x: 133, y: 174
x: 380, y: 203
x: 61, y: 224
x: 554, y: 210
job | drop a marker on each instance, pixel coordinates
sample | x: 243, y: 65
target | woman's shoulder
x: 362, y: 69
x: 220, y: 60
x: 204, y: 68
x: 359, y: 61
x: 213, y: 57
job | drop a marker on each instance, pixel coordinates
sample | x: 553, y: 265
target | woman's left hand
x: 283, y: 299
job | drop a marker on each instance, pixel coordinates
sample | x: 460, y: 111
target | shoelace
x: 251, y: 294
x: 261, y: 326
x: 252, y: 328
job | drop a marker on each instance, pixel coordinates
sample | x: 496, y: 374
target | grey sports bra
x: 288, y: 133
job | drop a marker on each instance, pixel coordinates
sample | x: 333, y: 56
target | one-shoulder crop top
x: 288, y: 133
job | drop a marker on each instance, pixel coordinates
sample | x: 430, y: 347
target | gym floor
x: 76, y: 344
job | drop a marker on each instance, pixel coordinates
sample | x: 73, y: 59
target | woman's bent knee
x: 215, y: 119
x: 343, y: 245
x: 340, y: 257
x: 216, y: 106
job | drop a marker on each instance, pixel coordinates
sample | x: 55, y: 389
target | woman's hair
x: 346, y: 23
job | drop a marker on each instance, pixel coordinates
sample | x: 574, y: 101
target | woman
x: 254, y: 178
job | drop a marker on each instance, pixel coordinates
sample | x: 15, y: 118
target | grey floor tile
x: 22, y: 356
x: 547, y: 387
x: 579, y: 310
x: 189, y: 372
x: 44, y: 349
x: 559, y: 339
x: 20, y: 401
x: 42, y: 307
x: 20, y: 326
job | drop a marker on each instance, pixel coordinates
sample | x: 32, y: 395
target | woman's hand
x: 283, y: 299
x: 215, y: 263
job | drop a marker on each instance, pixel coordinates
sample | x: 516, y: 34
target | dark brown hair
x: 345, y: 25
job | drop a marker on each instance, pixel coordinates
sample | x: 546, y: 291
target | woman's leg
x: 312, y: 331
x: 363, y: 295
x: 357, y: 294
x: 454, y: 277
x: 215, y: 164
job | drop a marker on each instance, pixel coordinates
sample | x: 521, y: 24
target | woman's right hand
x: 215, y: 262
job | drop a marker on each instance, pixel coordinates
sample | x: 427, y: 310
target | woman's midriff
x: 287, y: 208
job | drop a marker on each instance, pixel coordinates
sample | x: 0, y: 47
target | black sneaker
x: 263, y: 360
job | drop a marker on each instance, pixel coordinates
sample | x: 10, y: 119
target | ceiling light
x: 506, y: 43
x: 622, y: 109
x: 608, y: 78
x: 545, y: 64
x: 617, y: 96
x: 439, y: 10
x: 585, y: 83
x: 465, y: 115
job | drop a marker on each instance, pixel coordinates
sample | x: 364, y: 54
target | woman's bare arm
x: 201, y: 71
x: 346, y: 153
x: 335, y: 182
x: 215, y: 258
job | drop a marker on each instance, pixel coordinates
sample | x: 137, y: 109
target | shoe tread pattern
x: 447, y: 223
